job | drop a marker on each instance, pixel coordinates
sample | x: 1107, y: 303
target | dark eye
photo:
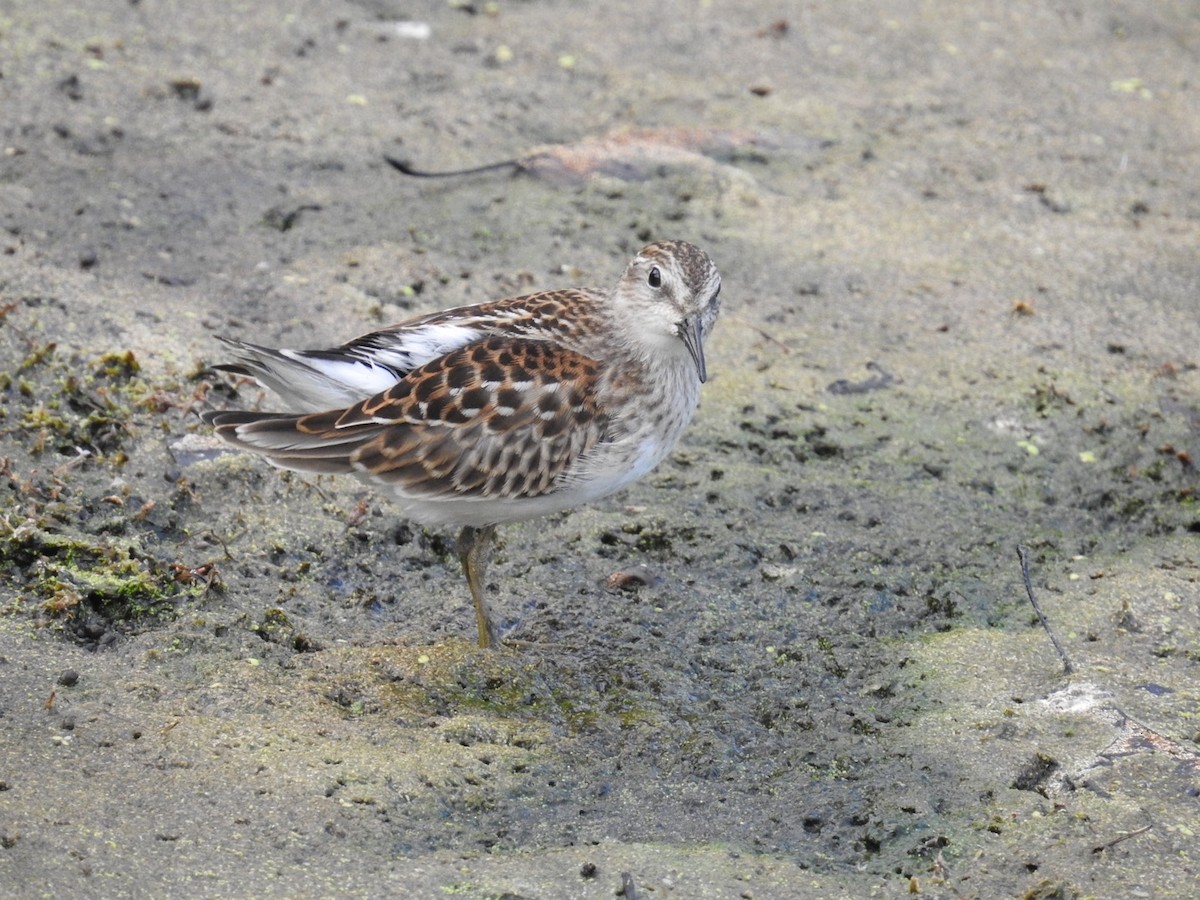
x: 654, y: 279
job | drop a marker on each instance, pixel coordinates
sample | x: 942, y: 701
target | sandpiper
x: 500, y: 412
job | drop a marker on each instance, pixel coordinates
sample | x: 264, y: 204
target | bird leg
x: 474, y: 552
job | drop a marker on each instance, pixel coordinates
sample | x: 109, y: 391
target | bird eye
x: 654, y: 279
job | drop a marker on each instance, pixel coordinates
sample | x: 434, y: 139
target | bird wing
x: 499, y: 418
x: 317, y: 380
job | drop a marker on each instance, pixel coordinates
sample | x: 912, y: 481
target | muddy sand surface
x: 959, y: 244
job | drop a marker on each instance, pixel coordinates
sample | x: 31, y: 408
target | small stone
x: 186, y: 89
x: 632, y: 578
x: 776, y: 572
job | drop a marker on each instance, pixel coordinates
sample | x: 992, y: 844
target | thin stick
x: 1023, y: 555
x: 401, y: 166
x: 1121, y: 837
x: 762, y: 332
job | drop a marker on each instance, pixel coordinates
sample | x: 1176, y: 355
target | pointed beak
x: 692, y: 335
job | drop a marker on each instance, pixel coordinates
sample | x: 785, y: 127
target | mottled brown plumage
x: 502, y: 411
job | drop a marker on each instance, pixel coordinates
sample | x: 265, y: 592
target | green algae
x: 64, y: 578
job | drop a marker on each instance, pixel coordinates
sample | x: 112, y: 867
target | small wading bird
x: 499, y: 412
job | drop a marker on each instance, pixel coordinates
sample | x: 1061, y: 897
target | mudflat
x: 958, y: 244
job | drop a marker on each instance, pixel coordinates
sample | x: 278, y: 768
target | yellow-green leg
x: 475, y: 551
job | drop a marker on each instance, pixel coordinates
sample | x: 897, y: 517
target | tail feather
x: 279, y: 439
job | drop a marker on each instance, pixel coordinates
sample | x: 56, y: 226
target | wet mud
x: 958, y: 247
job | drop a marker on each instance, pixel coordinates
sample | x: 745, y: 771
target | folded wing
x: 502, y: 417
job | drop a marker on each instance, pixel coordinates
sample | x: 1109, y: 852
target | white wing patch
x: 320, y: 380
x: 409, y: 348
x: 334, y: 383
